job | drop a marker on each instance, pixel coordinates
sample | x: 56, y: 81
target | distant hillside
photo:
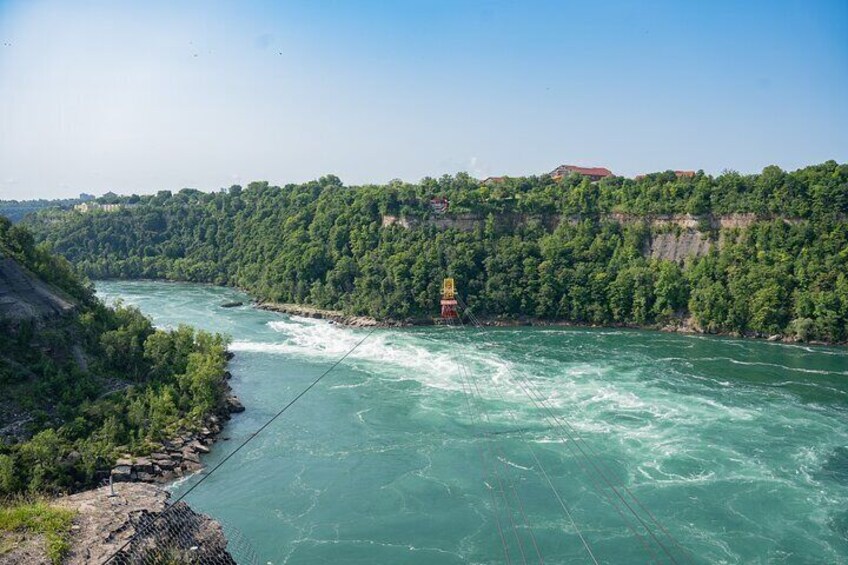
x: 762, y: 254
x: 81, y: 383
x: 17, y: 210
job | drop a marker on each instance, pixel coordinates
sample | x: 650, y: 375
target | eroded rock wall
x: 24, y: 297
x: 675, y: 236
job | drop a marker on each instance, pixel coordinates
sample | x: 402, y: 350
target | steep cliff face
x: 24, y: 297
x: 674, y: 237
x: 678, y: 247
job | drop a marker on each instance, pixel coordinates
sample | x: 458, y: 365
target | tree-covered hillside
x: 81, y: 387
x: 325, y: 244
x: 16, y: 210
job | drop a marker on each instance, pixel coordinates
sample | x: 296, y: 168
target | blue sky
x: 141, y: 96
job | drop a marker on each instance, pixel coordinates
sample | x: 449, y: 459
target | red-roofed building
x: 594, y: 173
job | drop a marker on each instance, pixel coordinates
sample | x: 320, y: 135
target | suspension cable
x: 545, y: 474
x: 600, y: 469
x: 571, y: 441
x: 549, y: 482
x: 510, y: 482
x: 483, y: 469
x: 249, y: 438
x: 475, y: 411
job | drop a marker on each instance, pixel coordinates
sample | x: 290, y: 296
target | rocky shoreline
x: 180, y: 455
x: 109, y: 518
x: 680, y: 325
x: 338, y: 317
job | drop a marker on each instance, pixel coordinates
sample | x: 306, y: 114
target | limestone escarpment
x: 674, y: 237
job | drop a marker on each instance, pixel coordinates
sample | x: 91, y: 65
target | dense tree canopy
x: 554, y: 249
x: 16, y: 210
x: 95, y: 382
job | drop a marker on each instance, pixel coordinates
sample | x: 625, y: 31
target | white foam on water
x: 808, y: 348
x: 598, y: 402
x: 513, y: 464
x: 784, y: 367
x: 656, y: 475
x: 394, y: 355
x: 754, y: 363
x: 344, y: 386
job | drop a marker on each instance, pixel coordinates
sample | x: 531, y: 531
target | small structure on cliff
x: 439, y: 205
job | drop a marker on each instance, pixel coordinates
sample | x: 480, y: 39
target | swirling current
x: 562, y: 445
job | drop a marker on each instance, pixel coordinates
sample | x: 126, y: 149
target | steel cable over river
x: 738, y: 449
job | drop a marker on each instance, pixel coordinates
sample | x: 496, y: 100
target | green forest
x: 544, y: 248
x: 94, y: 383
x: 16, y: 210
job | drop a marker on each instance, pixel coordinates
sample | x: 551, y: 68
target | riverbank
x: 679, y: 325
x: 337, y: 316
x: 180, y: 455
x: 105, y: 518
x: 395, y: 413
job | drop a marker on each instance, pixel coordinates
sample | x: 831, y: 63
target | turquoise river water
x: 449, y: 445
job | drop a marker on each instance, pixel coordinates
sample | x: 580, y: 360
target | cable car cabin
x: 448, y: 301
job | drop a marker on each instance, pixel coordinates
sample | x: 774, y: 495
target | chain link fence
x: 178, y: 535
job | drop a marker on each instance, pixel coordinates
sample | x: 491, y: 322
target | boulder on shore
x: 234, y: 405
x: 121, y: 473
x: 181, y: 453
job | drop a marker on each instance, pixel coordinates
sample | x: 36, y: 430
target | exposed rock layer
x: 24, y: 297
x: 105, y: 523
x: 679, y: 235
